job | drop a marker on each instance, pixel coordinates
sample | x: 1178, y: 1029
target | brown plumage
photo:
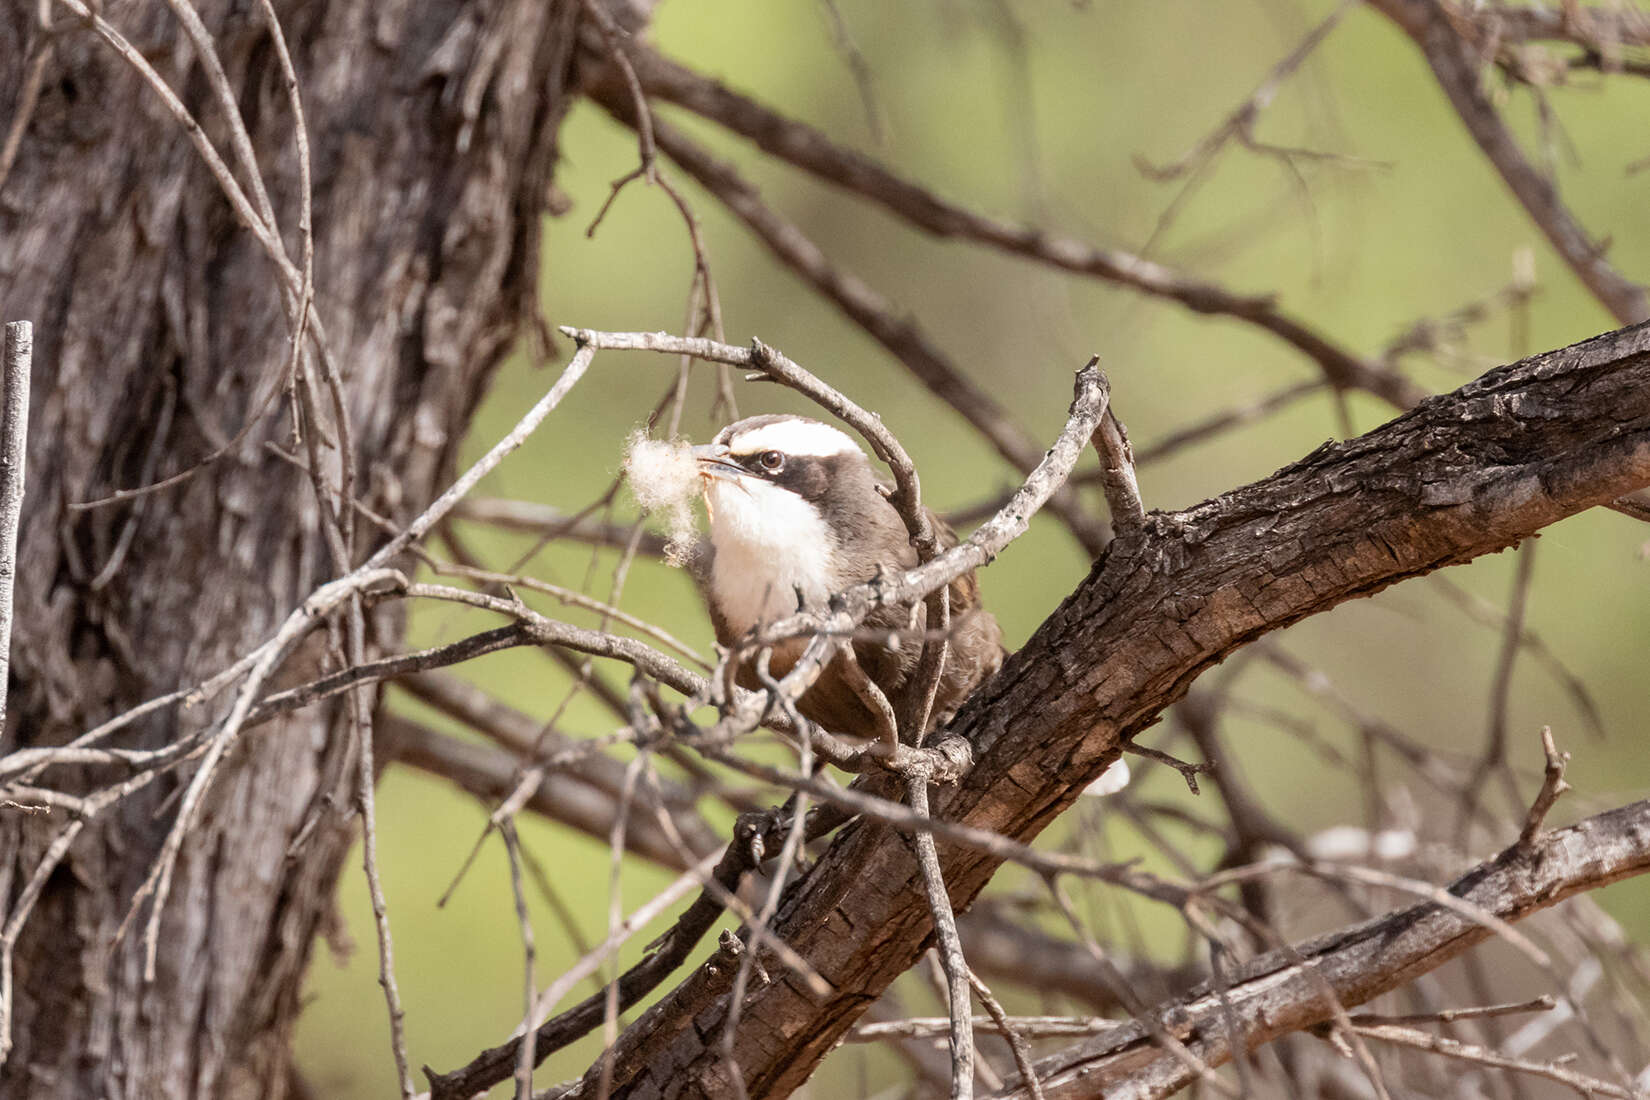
x: 797, y: 514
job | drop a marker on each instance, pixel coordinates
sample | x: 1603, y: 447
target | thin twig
x: 813, y: 152
x: 1188, y: 771
x: 1583, y: 1084
x: 1453, y: 60
x: 14, y: 450
x: 1007, y: 1027
x: 1552, y: 785
x: 1117, y: 477
x: 524, y: 920
x: 1543, y: 1003
x: 950, y: 947
x: 544, y: 519
x: 1495, y: 742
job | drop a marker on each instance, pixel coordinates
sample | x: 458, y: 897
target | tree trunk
x: 160, y: 332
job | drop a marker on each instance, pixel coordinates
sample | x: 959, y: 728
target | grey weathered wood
x: 15, y: 364
x: 433, y: 129
x: 1273, y: 996
x: 1463, y: 474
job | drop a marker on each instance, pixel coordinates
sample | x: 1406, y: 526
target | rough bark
x: 157, y: 321
x: 1274, y: 995
x: 1463, y: 474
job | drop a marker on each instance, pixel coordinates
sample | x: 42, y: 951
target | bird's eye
x: 771, y: 461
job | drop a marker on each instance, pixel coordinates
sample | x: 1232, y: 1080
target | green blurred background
x: 1038, y: 113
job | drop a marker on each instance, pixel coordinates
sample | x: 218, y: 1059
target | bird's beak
x: 714, y: 462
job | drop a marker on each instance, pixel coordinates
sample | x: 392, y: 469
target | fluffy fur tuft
x: 664, y: 479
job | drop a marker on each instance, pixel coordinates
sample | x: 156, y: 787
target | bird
x: 797, y: 513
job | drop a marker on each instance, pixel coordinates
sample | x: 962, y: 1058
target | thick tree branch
x: 1275, y: 995
x: 1463, y: 474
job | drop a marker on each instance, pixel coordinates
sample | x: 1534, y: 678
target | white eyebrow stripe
x: 793, y: 437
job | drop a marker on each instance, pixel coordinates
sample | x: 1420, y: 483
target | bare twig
x: 812, y: 151
x: 1583, y: 1084
x: 1117, y: 478
x: 1239, y: 126
x: 1450, y: 1015
x: 1188, y: 771
x: 14, y: 430
x: 524, y: 920
x: 1430, y: 24
x: 366, y: 804
x: 1007, y: 1027
x: 950, y: 948
x: 936, y: 1027
x: 1552, y: 785
x: 1495, y: 743
x: 547, y: 520
x: 871, y: 311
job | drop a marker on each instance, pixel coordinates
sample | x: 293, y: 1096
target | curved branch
x: 1453, y: 62
x: 1464, y: 474
x: 1275, y: 994
x: 810, y: 150
x: 867, y: 308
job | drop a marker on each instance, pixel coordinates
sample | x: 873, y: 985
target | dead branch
x: 1432, y: 26
x: 1274, y: 996
x: 16, y: 361
x: 812, y: 151
x: 1564, y: 431
x: 1552, y: 786
x: 871, y: 311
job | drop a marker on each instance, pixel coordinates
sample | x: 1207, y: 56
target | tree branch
x: 1432, y: 27
x: 810, y: 150
x: 15, y: 363
x: 1275, y: 994
x: 1461, y: 475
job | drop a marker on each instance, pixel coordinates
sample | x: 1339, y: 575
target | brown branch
x: 544, y: 519
x: 879, y: 317
x: 566, y: 797
x: 1274, y: 995
x: 1462, y: 475
x: 810, y: 150
x: 1117, y: 476
x: 1585, y: 26
x: 1454, y: 63
x: 1585, y: 1086
x: 1552, y: 785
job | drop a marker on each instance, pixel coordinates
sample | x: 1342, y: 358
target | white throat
x: 770, y: 545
